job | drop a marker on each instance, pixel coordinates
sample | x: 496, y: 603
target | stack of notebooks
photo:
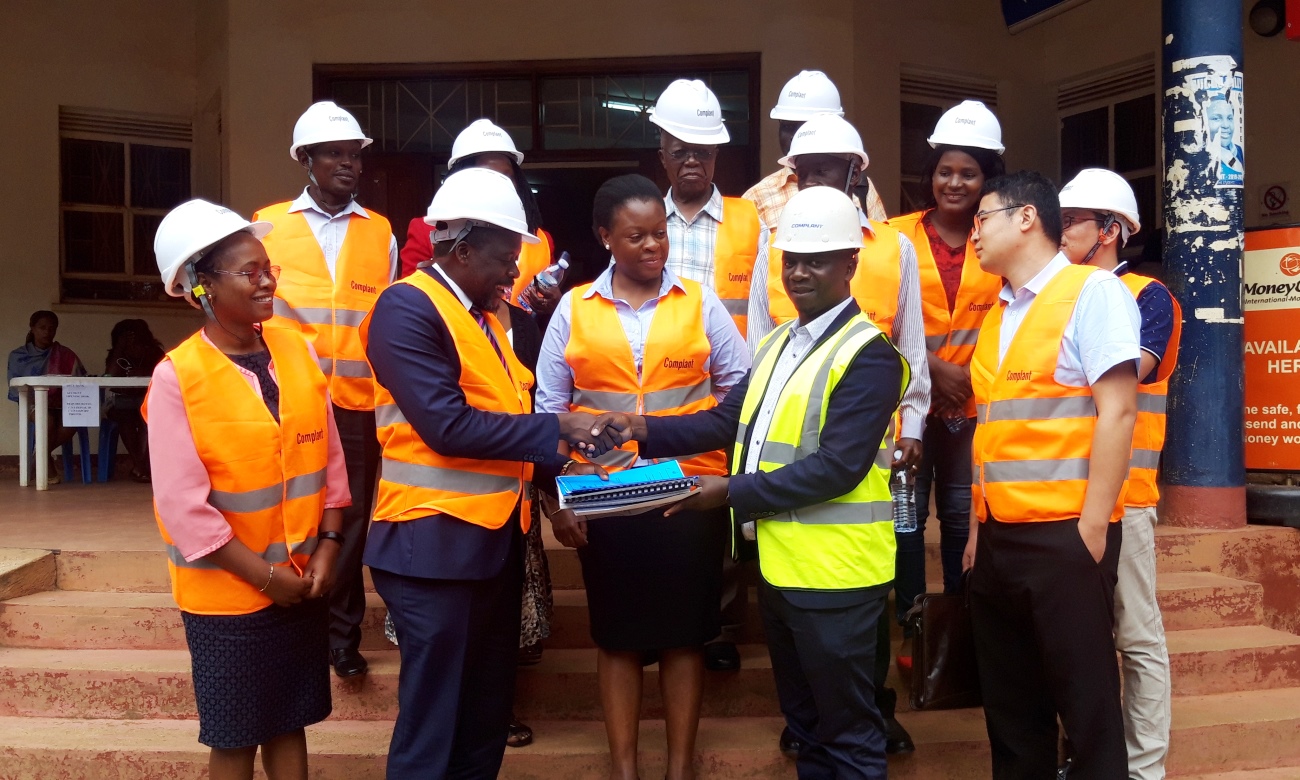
x: 626, y: 492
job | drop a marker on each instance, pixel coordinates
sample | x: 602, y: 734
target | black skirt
x: 654, y: 582
x: 260, y: 675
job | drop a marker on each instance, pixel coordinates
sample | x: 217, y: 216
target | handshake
x: 594, y: 435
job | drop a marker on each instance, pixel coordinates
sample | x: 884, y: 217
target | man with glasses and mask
x: 1055, y: 377
x: 717, y: 242
x: 337, y: 258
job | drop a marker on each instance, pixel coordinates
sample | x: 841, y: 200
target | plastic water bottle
x: 956, y: 422
x: 545, y: 280
x: 900, y: 489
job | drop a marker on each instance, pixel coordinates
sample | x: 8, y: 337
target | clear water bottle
x: 956, y: 421
x: 900, y: 489
x: 550, y: 278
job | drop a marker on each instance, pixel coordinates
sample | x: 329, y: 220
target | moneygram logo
x: 1290, y: 264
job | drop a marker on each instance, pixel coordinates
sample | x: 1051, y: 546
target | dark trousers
x: 945, y: 470
x: 736, y: 579
x: 348, y: 596
x: 823, y: 662
x: 458, y: 641
x: 1043, y: 615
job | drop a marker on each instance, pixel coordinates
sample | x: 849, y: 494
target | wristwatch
x: 333, y: 536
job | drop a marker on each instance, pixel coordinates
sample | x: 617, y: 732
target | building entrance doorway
x: 577, y: 122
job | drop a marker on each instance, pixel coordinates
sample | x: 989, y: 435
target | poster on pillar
x: 1217, y: 121
x: 1271, y: 304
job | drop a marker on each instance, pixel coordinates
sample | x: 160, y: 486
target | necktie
x: 481, y: 319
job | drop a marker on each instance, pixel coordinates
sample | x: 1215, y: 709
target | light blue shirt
x: 1102, y: 332
x: 727, y: 363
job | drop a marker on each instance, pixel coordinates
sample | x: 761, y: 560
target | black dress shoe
x: 348, y: 663
x: 721, y: 657
x: 897, y: 740
x: 789, y: 744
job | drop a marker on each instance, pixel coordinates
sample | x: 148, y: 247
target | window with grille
x: 119, y: 175
x: 1110, y: 120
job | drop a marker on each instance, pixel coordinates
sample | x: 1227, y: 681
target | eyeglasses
x: 1069, y: 221
x: 255, y: 277
x: 980, y: 216
x: 703, y: 155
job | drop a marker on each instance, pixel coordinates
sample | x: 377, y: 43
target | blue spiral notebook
x: 626, y: 492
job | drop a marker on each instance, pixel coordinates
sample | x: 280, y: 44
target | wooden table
x: 42, y: 384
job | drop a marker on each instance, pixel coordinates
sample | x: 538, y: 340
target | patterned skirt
x: 261, y: 675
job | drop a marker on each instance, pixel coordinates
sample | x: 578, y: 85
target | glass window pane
x: 1084, y: 142
x: 143, y: 228
x: 160, y: 176
x: 94, y: 242
x: 92, y: 172
x: 918, y: 120
x: 425, y: 115
x: 1135, y: 134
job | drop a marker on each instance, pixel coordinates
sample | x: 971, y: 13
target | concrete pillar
x: 1203, y: 209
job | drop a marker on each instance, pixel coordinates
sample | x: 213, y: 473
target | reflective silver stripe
x: 616, y: 459
x: 388, y: 414
x: 304, y: 485
x: 777, y: 337
x: 1041, y: 408
x: 349, y: 318
x: 1155, y: 404
x: 810, y: 435
x: 933, y: 343
x: 981, y: 412
x: 178, y: 560
x: 736, y: 307
x: 605, y: 400
x: 450, y: 480
x: 778, y: 453
x: 837, y: 513
x: 355, y: 369
x: 1035, y: 470
x: 306, y: 546
x: 975, y: 474
x: 964, y: 338
x: 1144, y: 459
x: 281, y: 308
x: 258, y: 500
x: 659, y: 400
x: 277, y: 552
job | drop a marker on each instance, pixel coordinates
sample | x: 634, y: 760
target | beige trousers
x: 1140, y: 639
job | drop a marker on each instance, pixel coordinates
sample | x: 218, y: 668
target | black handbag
x: 944, y: 671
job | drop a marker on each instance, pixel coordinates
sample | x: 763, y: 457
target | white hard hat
x: 322, y: 122
x: 1101, y: 190
x: 825, y: 134
x: 818, y: 219
x: 806, y: 95
x: 476, y: 197
x: 188, y: 231
x: 689, y: 110
x: 482, y: 136
x: 969, y: 124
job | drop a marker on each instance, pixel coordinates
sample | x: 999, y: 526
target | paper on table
x: 80, y: 406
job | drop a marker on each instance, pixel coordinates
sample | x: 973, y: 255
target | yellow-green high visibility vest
x: 845, y: 543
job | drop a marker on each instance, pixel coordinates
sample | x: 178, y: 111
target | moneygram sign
x: 1271, y: 302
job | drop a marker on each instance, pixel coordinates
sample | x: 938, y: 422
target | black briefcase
x: 944, y: 672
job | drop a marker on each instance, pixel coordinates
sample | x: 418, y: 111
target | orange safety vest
x: 673, y: 380
x: 327, y: 310
x: 533, y: 259
x: 1149, y: 429
x: 1033, y: 436
x: 268, y: 478
x: 416, y: 481
x: 874, y: 285
x: 950, y: 335
x: 734, y: 255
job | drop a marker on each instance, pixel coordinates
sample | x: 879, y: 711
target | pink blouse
x: 195, y: 526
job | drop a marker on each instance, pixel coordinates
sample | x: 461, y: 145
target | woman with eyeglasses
x: 249, y: 487
x: 955, y: 296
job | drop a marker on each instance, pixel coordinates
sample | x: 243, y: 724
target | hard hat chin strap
x: 311, y: 176
x: 1105, y: 228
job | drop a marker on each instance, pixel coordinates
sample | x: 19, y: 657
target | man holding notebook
x: 802, y: 485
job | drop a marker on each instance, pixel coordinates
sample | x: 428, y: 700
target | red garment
x: 948, y: 259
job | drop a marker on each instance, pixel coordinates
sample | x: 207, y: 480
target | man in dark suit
x: 459, y: 445
x: 810, y: 469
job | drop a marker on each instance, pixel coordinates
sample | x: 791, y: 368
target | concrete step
x: 1234, y: 733
x: 1239, y: 658
x: 100, y: 620
x: 131, y: 684
x: 25, y: 571
x: 1204, y: 600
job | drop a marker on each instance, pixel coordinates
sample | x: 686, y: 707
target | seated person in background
x: 43, y: 356
x: 133, y: 352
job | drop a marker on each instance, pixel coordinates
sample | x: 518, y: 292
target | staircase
x: 95, y: 679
